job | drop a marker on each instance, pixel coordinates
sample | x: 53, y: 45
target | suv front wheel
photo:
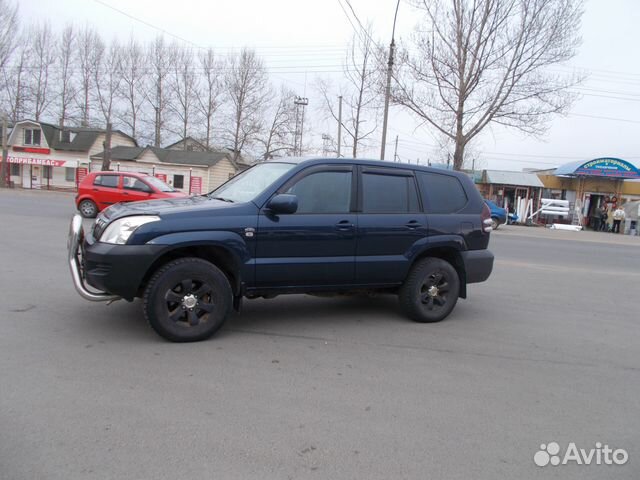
x: 430, y: 291
x: 187, y: 300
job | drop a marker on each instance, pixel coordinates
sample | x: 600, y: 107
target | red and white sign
x: 47, y: 162
x: 196, y: 185
x: 46, y: 151
x: 162, y: 176
x: 80, y: 174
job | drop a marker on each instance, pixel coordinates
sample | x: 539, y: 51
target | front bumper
x: 116, y: 271
x: 74, y: 256
x: 478, y: 265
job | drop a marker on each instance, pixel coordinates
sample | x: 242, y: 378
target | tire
x: 187, y: 300
x: 87, y: 209
x: 417, y: 298
x: 494, y: 223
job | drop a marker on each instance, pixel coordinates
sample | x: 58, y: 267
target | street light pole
x: 387, y: 94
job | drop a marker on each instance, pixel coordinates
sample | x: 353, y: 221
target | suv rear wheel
x: 187, y: 300
x: 430, y: 291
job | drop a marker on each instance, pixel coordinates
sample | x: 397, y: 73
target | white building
x: 190, y: 171
x: 42, y: 155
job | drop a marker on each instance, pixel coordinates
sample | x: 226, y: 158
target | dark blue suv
x: 289, y: 226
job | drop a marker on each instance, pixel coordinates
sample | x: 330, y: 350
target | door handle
x: 344, y: 225
x: 413, y: 224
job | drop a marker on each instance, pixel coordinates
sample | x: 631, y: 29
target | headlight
x: 119, y: 231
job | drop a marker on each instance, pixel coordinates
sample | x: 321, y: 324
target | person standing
x: 618, y: 217
x: 604, y: 216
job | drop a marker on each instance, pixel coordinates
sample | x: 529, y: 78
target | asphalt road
x: 301, y: 387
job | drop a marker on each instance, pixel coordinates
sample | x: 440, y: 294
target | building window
x: 47, y: 172
x: 32, y: 136
x: 15, y: 169
x: 70, y: 174
x: 178, y: 181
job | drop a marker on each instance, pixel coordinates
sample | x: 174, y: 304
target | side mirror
x: 283, y: 203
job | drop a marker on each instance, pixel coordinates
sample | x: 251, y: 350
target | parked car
x: 98, y: 190
x: 319, y: 226
x: 499, y: 215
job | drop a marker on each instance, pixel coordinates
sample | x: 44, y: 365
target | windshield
x: 158, y: 184
x: 250, y: 183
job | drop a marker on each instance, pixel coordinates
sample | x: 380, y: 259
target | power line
x: 144, y: 22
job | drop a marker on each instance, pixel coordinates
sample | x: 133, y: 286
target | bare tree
x: 278, y: 136
x: 183, y: 87
x: 8, y: 28
x: 247, y: 87
x: 107, y: 76
x: 132, y: 91
x: 64, y: 78
x: 161, y: 58
x: 15, y: 81
x: 43, y: 56
x: 87, y: 44
x: 483, y: 61
x: 209, y: 92
x: 361, y: 98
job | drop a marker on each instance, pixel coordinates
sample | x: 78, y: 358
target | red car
x: 98, y: 190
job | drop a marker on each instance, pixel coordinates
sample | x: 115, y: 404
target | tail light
x: 486, y: 218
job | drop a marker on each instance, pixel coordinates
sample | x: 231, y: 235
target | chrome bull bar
x: 76, y: 235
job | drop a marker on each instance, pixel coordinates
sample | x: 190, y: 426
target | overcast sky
x: 300, y: 40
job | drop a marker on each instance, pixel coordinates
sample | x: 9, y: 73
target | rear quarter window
x: 441, y: 193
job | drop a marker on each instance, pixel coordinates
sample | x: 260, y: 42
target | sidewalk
x: 582, y: 236
x: 36, y: 192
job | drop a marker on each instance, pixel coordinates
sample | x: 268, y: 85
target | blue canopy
x: 599, y: 167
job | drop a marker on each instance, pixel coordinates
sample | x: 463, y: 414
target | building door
x: 26, y: 176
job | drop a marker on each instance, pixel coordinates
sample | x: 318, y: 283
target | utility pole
x: 300, y: 103
x: 5, y: 154
x: 326, y: 144
x: 395, y: 153
x: 339, y: 124
x: 387, y: 94
x: 106, y: 159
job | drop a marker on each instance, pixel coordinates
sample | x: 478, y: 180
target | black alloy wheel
x: 187, y: 300
x: 430, y: 291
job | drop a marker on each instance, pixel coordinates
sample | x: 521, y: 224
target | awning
x: 599, y: 167
x: 520, y: 179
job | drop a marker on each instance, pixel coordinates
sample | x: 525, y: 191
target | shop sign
x: 608, y: 167
x: 161, y: 176
x: 47, y: 162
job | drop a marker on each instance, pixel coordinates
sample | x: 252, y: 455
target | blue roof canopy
x: 599, y: 167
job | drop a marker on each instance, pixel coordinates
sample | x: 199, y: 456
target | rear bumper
x: 478, y: 265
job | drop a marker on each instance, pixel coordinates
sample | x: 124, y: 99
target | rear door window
x: 441, y: 193
x: 382, y: 193
x: 107, y: 181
